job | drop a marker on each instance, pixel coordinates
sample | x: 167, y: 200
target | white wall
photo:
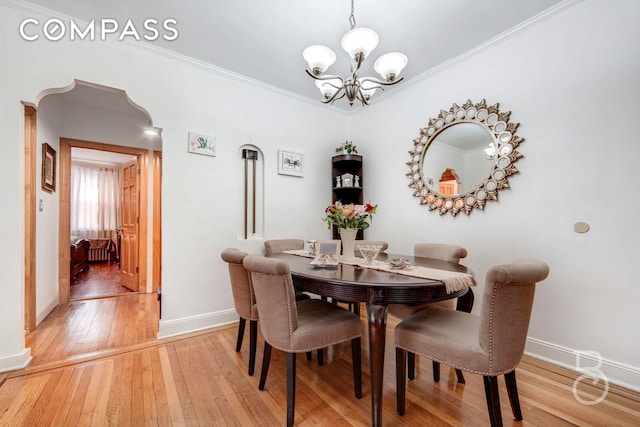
x: 200, y: 193
x: 572, y: 82
x: 48, y: 130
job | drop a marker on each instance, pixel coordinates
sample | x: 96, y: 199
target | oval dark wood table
x: 378, y: 289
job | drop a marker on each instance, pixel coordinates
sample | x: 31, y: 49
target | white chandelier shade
x: 360, y: 40
x: 319, y: 58
x: 390, y: 65
x: 329, y: 87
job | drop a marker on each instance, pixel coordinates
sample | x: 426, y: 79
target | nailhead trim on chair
x: 491, y: 315
x: 448, y: 363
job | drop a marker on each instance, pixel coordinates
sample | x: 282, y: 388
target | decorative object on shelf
x: 290, y: 163
x: 477, y: 126
x: 202, y: 144
x: 347, y: 147
x: 358, y: 42
x: 347, y: 180
x: 48, y: 168
x: 338, y: 184
x: 356, y: 181
x: 349, y: 219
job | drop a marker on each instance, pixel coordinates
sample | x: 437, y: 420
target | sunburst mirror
x: 463, y: 158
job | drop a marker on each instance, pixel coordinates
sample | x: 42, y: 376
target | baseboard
x: 48, y: 308
x: 169, y: 328
x: 585, y: 362
x: 15, y: 362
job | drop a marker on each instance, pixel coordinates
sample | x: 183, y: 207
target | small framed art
x: 290, y: 163
x: 202, y: 144
x: 48, y: 168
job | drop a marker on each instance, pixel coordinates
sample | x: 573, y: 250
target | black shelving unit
x: 340, y: 165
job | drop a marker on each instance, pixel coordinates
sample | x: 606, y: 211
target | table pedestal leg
x: 377, y: 316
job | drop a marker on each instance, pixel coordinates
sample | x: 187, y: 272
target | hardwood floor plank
x: 61, y: 405
x: 175, y: 407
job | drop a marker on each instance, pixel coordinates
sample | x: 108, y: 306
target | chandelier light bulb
x: 360, y: 40
x: 390, y: 65
x: 319, y: 58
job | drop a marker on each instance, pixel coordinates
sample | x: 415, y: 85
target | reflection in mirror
x: 463, y: 158
x: 461, y: 148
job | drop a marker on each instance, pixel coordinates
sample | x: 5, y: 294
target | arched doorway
x: 115, y: 110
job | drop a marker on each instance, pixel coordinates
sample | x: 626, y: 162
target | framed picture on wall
x: 202, y: 144
x: 48, y: 168
x: 290, y: 163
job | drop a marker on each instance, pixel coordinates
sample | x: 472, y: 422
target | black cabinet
x: 347, y: 182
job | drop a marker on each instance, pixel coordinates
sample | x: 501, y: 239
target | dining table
x: 377, y: 287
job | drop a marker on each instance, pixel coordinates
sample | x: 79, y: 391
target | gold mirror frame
x: 504, y: 142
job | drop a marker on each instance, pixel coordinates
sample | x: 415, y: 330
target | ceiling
x: 264, y: 39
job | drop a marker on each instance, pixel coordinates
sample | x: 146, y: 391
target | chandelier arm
x: 324, y: 77
x: 380, y: 82
x: 335, y: 97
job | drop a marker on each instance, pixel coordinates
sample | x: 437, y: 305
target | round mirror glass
x: 460, y: 149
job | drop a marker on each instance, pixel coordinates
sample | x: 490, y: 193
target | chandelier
x: 358, y: 42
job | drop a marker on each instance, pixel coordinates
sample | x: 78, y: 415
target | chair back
x: 275, y: 298
x: 441, y: 251
x: 506, y: 310
x: 279, y: 245
x: 384, y: 244
x: 241, y: 288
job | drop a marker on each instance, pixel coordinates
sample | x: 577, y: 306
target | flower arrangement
x: 349, y: 216
x: 347, y: 147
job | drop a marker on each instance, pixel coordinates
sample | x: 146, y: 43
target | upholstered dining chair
x: 443, y: 252
x: 243, y: 300
x: 297, y: 328
x: 489, y: 344
x: 275, y: 246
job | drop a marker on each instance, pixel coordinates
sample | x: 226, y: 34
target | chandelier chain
x: 352, y: 18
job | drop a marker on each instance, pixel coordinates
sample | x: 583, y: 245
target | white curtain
x: 95, y: 201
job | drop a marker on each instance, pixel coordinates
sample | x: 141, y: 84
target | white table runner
x: 453, y: 281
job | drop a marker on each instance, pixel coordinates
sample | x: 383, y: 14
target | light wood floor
x: 93, y: 367
x: 99, y: 281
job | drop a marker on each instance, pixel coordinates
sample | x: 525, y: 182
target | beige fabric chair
x: 244, y: 301
x: 280, y: 245
x: 490, y: 344
x: 440, y: 251
x: 297, y: 328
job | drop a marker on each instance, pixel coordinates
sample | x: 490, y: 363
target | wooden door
x: 130, y: 219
